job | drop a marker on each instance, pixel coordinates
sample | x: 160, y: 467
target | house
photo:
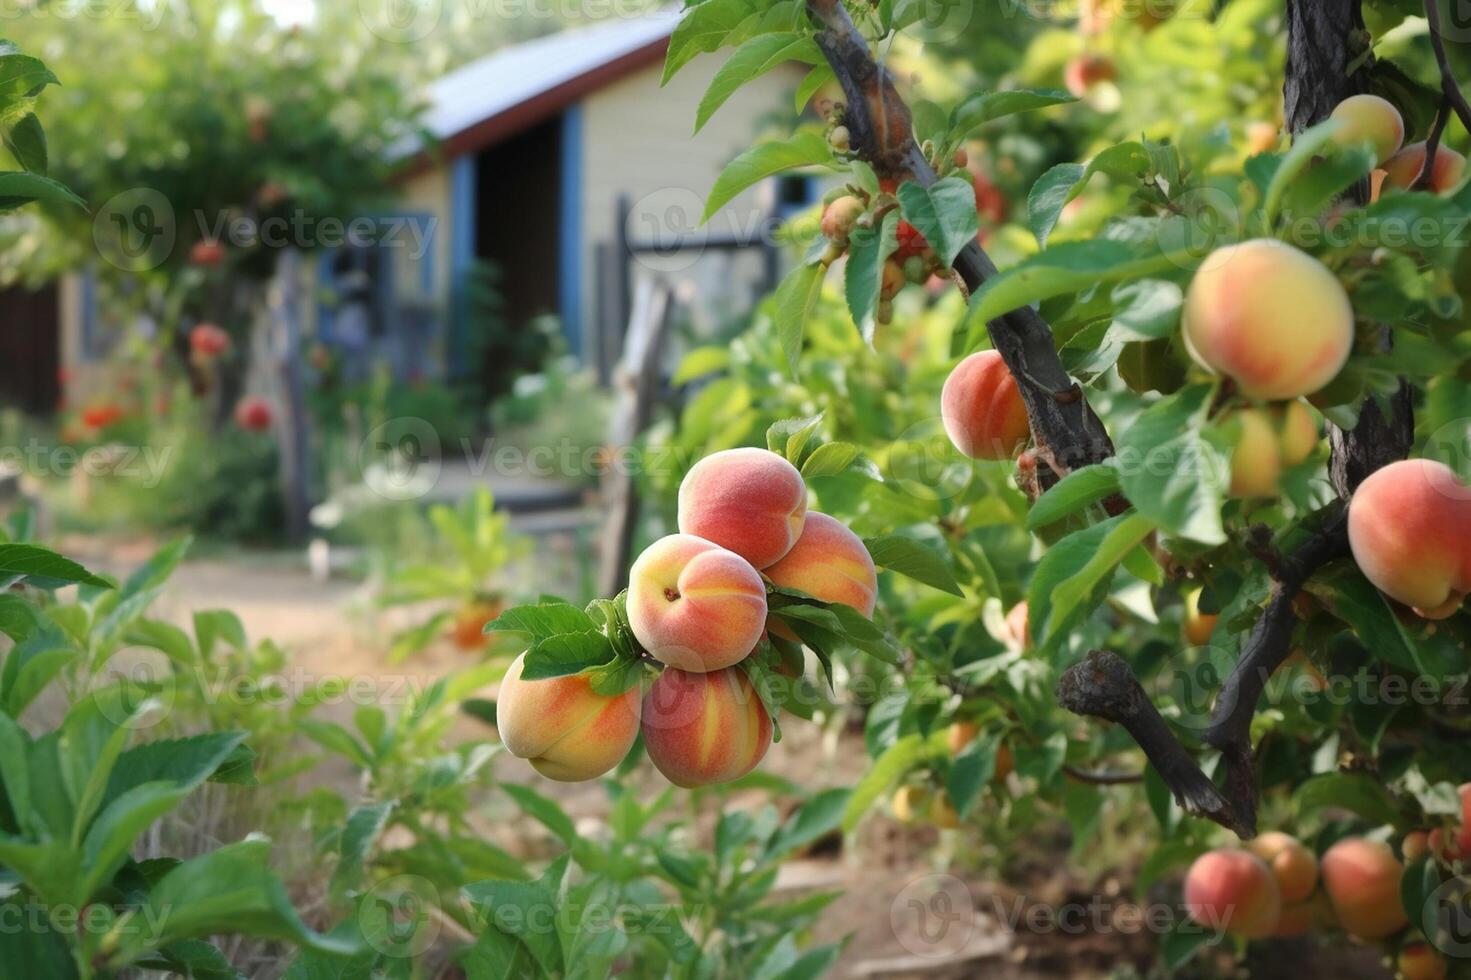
x: 563, y: 162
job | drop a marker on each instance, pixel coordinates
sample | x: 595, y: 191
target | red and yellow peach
x: 1293, y: 865
x: 565, y: 729
x: 749, y: 501
x: 694, y: 605
x: 829, y: 562
x: 982, y: 408
x: 1362, y: 879
x: 1409, y: 526
x: 1269, y: 316
x: 1369, y: 119
x: 1235, y: 891
x: 704, y: 728
x: 1403, y: 169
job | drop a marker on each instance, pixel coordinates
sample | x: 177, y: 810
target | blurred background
x: 401, y: 312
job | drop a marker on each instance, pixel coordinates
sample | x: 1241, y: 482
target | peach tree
x: 1217, y: 477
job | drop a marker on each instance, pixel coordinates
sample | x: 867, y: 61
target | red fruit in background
x: 468, y: 631
x: 253, y: 414
x: 1086, y: 71
x: 101, y: 416
x: 991, y: 204
x: 208, y: 340
x: 207, y: 253
x: 911, y: 242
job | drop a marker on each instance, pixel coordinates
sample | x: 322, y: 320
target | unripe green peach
x: 1297, y: 430
x: 982, y: 408
x: 564, y: 728
x: 1362, y: 879
x: 1269, y: 316
x: 749, y: 501
x: 692, y: 604
x: 705, y: 728
x: 1293, y: 865
x: 1409, y: 526
x: 840, y: 216
x: 1233, y: 890
x: 1403, y: 169
x: 1256, y: 462
x: 1368, y: 118
x: 908, y: 803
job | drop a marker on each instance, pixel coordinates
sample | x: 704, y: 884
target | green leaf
x: 752, y: 59
x: 863, y: 273
x: 899, y: 758
x: 1306, y: 146
x: 335, y: 738
x: 1066, y: 268
x: 213, y: 625
x: 1049, y: 195
x: 812, y: 83
x: 38, y: 566
x: 970, y: 771
x: 807, y: 148
x: 1147, y: 309
x: 703, y: 28
x: 795, y: 300
x: 26, y: 141
x: 182, y: 762
x: 813, y: 819
x: 19, y: 188
x: 945, y: 214
x: 981, y: 109
x: 359, y: 835
x: 230, y: 891
x: 829, y: 459
x: 568, y: 653
x: 543, y: 621
x: 914, y: 559
x: 1352, y: 791
x: 1074, y: 492
x: 788, y: 437
x: 1169, y: 472
x: 1073, y: 576
x: 122, y: 822
x: 700, y: 362
x: 543, y: 810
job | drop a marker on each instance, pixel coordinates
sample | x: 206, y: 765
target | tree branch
x: 1067, y: 432
x: 1448, y: 85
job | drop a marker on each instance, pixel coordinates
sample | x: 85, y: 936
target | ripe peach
x: 1297, y: 431
x: 960, y: 734
x: 1261, y: 137
x: 1455, y: 845
x: 468, y: 631
x: 206, y: 252
x: 208, y: 340
x: 564, y: 728
x: 1415, y: 844
x: 1294, y: 866
x: 1368, y: 118
x: 831, y: 563
x: 1409, y: 525
x: 1271, y: 317
x: 1362, y: 880
x: 1018, y: 624
x: 1403, y: 169
x: 694, y: 605
x: 840, y: 217
x: 1086, y: 71
x: 982, y: 408
x: 1419, y: 961
x: 1198, y: 626
x: 749, y: 501
x: 1233, y: 890
x: 704, y: 728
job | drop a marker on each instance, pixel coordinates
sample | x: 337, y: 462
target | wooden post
x: 636, y: 384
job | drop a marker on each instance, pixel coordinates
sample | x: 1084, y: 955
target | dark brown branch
x: 1093, y: 778
x: 1448, y: 85
x: 1104, y: 686
x: 1067, y: 432
x: 1432, y: 146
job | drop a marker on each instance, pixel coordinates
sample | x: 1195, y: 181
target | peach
x: 1233, y: 890
x: 749, y: 501
x: 942, y: 812
x: 1297, y: 431
x: 1301, y: 918
x: 1256, y: 462
x: 831, y: 563
x: 1294, y: 866
x: 1455, y: 846
x: 1419, y: 961
x: 1415, y: 845
x: 840, y: 216
x: 960, y: 734
x: 982, y: 408
x: 704, y: 728
x: 1409, y: 526
x: 1198, y: 626
x: 1018, y: 624
x: 1261, y: 137
x: 1369, y: 119
x: 1269, y: 316
x: 1403, y: 169
x: 1362, y: 879
x: 565, y: 729
x: 694, y: 605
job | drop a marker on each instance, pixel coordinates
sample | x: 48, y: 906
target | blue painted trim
x: 462, y: 215
x: 89, y: 350
x: 569, y: 263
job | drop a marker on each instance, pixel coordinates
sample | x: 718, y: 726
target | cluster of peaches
x: 1272, y: 888
x: 697, y: 604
